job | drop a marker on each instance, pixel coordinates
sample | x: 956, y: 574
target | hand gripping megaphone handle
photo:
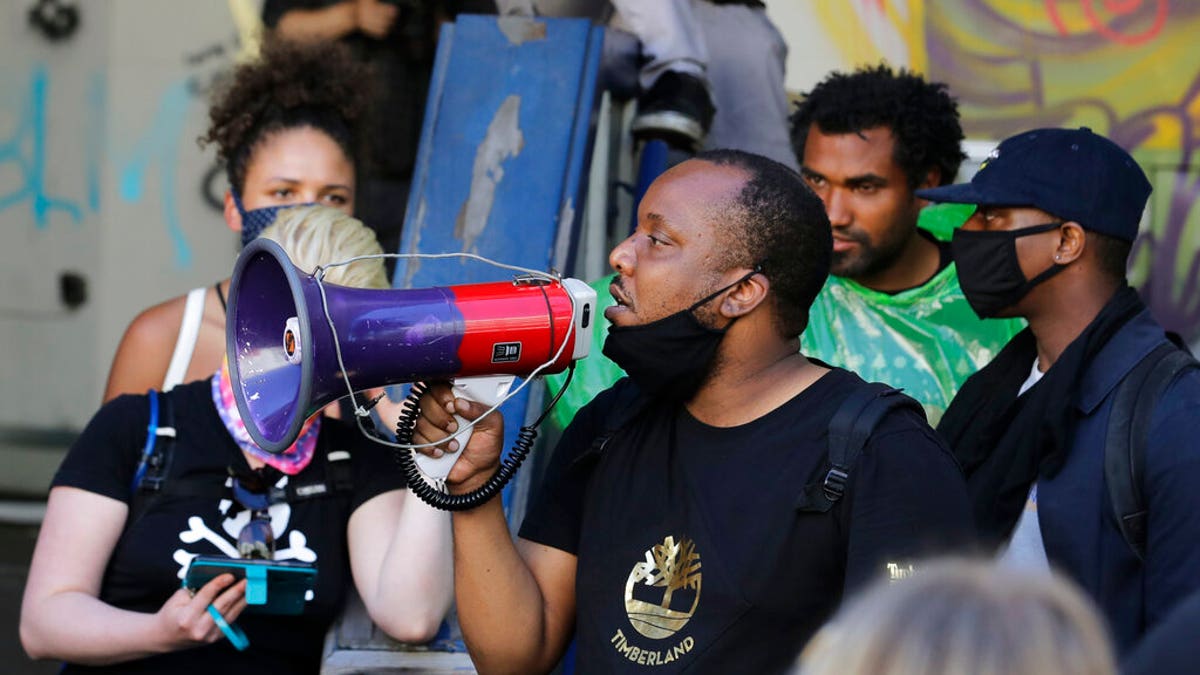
x: 421, y: 486
x: 486, y: 390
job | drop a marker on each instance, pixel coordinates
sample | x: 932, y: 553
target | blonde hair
x: 320, y: 235
x: 958, y: 616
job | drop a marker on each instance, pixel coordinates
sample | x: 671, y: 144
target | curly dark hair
x: 922, y: 116
x: 291, y: 85
x: 778, y: 222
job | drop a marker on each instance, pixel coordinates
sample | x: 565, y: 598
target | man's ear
x: 932, y: 179
x: 1072, y: 242
x: 743, y: 298
x: 232, y: 218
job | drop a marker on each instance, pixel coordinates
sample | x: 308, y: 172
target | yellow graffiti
x: 893, y: 31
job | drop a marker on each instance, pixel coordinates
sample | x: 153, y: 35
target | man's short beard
x: 870, y: 259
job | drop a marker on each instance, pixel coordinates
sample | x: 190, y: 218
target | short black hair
x: 922, y: 116
x: 1112, y: 254
x: 778, y: 222
x: 291, y: 85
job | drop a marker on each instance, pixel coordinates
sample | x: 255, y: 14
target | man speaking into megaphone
x: 704, y: 512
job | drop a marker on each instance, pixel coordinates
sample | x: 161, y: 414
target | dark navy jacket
x: 1171, y: 648
x: 1075, y: 514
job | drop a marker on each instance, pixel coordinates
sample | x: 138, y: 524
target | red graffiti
x: 1118, y: 8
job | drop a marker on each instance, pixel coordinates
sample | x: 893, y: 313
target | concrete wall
x: 100, y: 179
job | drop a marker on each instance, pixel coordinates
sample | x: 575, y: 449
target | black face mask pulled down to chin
x: 989, y: 270
x: 670, y: 357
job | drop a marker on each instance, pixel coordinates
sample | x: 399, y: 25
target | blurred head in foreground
x: 958, y: 616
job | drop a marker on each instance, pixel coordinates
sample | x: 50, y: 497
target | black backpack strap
x: 338, y: 479
x: 161, y: 461
x: 151, y: 471
x: 160, y: 439
x: 849, y: 429
x: 150, y: 478
x: 1127, y: 435
x: 339, y: 470
x: 628, y: 403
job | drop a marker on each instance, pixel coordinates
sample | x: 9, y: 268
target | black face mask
x: 670, y: 357
x: 255, y: 221
x: 989, y: 271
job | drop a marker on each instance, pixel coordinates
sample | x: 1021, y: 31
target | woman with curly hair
x: 288, y: 128
x: 104, y: 593
x: 124, y: 519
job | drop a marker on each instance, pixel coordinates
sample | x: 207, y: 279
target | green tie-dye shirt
x: 925, y: 340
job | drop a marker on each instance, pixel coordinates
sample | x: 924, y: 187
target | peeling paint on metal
x: 520, y: 30
x: 562, y: 243
x: 413, y: 265
x: 503, y: 141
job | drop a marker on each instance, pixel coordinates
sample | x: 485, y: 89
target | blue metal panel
x: 503, y: 155
x: 489, y: 71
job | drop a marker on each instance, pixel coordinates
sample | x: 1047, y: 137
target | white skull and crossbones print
x: 297, y: 543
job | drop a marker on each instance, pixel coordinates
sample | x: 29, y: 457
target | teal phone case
x: 272, y: 586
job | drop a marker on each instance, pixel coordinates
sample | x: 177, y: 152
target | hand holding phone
x: 184, y: 619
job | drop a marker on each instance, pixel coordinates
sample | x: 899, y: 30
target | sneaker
x: 676, y: 109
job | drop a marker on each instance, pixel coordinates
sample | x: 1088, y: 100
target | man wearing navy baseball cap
x: 1063, y: 467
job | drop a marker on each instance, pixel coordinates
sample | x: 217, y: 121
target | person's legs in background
x: 746, y: 74
x: 676, y: 102
x: 683, y: 73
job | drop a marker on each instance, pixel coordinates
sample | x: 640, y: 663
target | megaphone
x: 293, y: 342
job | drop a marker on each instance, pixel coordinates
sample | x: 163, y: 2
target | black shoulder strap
x: 160, y: 437
x: 628, y: 403
x: 1127, y: 435
x: 152, y: 469
x: 338, y: 479
x: 161, y: 461
x: 151, y: 476
x: 849, y: 429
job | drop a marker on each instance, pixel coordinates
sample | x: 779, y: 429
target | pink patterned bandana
x: 291, y: 461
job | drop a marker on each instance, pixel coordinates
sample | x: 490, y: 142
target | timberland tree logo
x: 661, y: 595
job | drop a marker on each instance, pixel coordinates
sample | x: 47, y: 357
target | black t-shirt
x: 691, y: 551
x: 149, y: 560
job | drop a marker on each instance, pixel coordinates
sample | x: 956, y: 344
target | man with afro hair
x: 892, y: 309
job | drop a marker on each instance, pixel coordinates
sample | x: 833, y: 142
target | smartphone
x: 272, y: 586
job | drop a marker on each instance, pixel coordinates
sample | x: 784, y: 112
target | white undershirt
x: 1026, y: 550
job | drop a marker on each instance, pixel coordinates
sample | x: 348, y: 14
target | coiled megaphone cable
x: 445, y: 501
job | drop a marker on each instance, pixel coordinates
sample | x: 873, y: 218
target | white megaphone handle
x: 486, y: 390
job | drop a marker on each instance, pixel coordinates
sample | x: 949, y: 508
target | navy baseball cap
x: 1073, y: 174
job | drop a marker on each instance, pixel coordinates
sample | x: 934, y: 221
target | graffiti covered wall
x: 1129, y: 69
x: 107, y: 204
